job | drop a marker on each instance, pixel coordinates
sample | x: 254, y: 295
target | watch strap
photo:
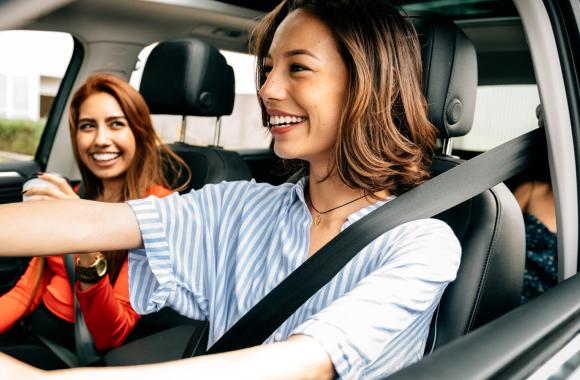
x: 87, y: 275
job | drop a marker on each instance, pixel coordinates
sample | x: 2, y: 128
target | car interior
x: 468, y: 48
x: 189, y: 77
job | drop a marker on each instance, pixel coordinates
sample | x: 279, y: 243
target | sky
x: 31, y: 52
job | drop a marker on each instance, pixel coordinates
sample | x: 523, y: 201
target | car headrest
x: 188, y: 77
x: 449, y: 73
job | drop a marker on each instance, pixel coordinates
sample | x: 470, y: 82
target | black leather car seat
x: 189, y: 77
x: 489, y: 226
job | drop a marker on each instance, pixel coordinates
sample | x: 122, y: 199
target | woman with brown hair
x: 117, y: 151
x: 339, y: 83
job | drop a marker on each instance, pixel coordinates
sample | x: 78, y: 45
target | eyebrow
x: 110, y: 118
x: 297, y: 52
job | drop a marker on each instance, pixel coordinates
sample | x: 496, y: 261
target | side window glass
x: 32, y: 66
x: 240, y: 130
x: 502, y: 112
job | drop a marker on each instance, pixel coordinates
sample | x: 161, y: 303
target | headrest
x: 188, y: 77
x: 449, y: 73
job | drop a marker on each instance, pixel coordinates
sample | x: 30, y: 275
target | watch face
x: 101, y: 266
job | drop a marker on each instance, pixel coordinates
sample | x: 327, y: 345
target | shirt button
x: 277, y: 337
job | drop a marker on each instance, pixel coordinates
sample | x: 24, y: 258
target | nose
x: 274, y: 88
x: 102, y: 137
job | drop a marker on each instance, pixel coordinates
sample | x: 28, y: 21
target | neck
x: 112, y: 190
x: 332, y: 192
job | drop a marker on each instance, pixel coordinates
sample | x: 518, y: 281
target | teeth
x: 277, y: 120
x: 105, y: 156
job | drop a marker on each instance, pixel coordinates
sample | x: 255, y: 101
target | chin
x: 107, y: 174
x: 286, y: 152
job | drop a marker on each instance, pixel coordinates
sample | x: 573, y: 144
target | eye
x: 296, y: 68
x: 117, y: 123
x: 85, y: 126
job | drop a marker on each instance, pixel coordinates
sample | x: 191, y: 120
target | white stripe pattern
x: 214, y: 253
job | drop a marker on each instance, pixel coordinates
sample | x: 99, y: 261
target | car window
x: 32, y: 66
x: 502, y: 112
x: 240, y: 130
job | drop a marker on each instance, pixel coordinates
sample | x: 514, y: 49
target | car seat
x: 489, y: 226
x: 189, y: 77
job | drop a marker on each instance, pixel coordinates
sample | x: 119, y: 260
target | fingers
x: 29, y: 198
x: 47, y: 193
x: 59, y: 182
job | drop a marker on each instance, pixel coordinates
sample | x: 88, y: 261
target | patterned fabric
x: 214, y: 253
x: 541, y: 271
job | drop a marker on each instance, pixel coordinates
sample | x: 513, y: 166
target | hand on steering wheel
x: 62, y: 189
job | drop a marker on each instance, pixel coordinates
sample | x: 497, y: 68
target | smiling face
x: 106, y: 145
x: 305, y: 88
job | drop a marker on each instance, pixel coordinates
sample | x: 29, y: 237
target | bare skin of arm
x: 68, y: 226
x: 300, y: 357
x: 61, y: 191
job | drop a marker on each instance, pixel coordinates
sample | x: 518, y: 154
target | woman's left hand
x: 62, y: 190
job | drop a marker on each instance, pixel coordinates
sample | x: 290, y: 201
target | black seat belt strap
x: 85, y: 347
x: 475, y: 176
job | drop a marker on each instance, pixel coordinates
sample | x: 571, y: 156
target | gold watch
x: 94, y: 272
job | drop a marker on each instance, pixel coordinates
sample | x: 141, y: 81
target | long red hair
x: 152, y: 158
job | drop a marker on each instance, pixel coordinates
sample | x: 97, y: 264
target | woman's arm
x: 53, y: 228
x: 23, y: 297
x: 300, y: 357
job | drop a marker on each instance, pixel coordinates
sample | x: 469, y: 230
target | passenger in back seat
x: 536, y: 199
x: 116, y: 149
x: 340, y: 88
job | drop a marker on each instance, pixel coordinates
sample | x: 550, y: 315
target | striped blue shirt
x: 214, y: 253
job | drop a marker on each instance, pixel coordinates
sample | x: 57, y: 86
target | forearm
x: 66, y: 226
x: 298, y: 358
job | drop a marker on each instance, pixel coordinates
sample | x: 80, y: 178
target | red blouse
x: 105, y: 306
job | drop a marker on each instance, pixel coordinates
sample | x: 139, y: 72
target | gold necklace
x: 318, y: 216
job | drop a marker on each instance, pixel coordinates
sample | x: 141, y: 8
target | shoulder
x: 429, y: 228
x: 523, y: 194
x: 244, y: 191
x: 158, y: 191
x: 431, y: 239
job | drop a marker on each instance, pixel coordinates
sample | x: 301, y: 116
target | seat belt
x: 85, y: 347
x: 86, y: 352
x: 475, y: 176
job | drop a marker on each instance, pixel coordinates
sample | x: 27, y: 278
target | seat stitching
x: 490, y: 253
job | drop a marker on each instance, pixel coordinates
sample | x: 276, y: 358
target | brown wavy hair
x: 152, y: 158
x: 385, y: 139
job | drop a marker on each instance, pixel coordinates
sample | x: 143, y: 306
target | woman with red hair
x: 118, y: 153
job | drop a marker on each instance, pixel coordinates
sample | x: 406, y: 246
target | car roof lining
x: 145, y: 22
x: 502, y: 50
